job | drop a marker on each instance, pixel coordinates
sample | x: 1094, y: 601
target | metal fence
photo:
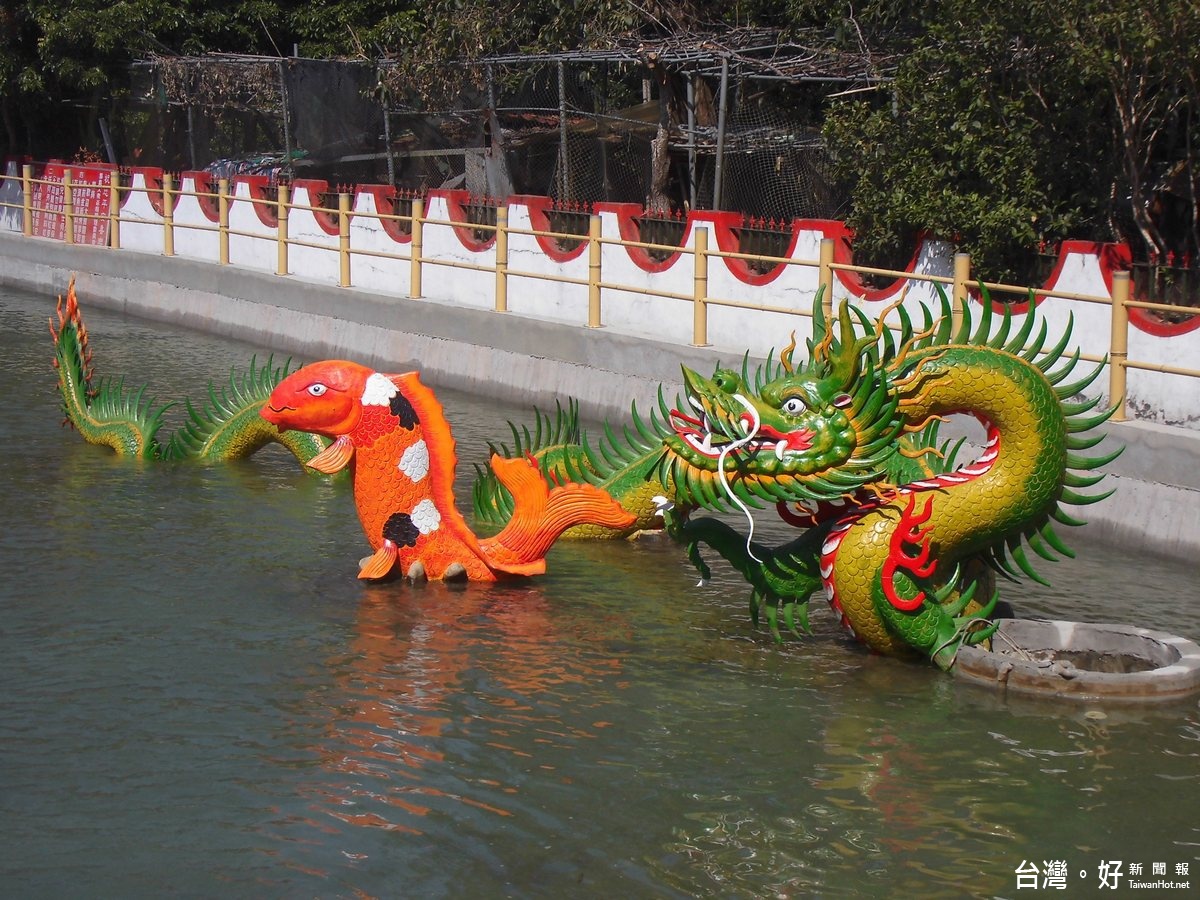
x: 412, y: 220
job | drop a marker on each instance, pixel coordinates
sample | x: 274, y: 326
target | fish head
x: 323, y: 398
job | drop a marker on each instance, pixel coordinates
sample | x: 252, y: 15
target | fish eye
x: 793, y: 406
x: 317, y: 389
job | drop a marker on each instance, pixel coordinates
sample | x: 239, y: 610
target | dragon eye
x: 317, y: 389
x: 793, y: 406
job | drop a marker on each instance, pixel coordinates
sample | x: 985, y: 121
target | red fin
x: 541, y: 515
x: 537, y: 567
x: 335, y: 457
x: 380, y: 564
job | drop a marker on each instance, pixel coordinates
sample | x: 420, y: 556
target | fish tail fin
x: 540, y: 514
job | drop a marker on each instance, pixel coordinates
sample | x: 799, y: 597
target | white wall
x: 1083, y: 269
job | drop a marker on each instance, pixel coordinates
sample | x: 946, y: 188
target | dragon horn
x: 785, y: 355
x: 845, y: 357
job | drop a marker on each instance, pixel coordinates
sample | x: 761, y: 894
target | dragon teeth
x: 779, y: 448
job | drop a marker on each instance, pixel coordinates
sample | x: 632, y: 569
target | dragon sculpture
x: 905, y: 544
x: 227, y: 426
x: 908, y: 562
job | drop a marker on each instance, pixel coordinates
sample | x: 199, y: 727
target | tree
x: 1013, y: 125
x: 1146, y: 57
x: 984, y: 138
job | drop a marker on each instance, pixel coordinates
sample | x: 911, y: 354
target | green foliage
x: 1009, y: 125
x: 977, y: 141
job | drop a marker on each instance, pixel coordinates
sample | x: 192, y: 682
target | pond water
x: 199, y: 699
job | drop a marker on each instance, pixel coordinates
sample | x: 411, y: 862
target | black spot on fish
x: 403, y: 411
x: 400, y: 530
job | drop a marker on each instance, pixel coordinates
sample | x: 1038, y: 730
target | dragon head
x: 811, y: 433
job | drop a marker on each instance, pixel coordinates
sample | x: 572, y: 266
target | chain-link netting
x: 578, y: 131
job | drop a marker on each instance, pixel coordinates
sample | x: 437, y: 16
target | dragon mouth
x: 698, y: 433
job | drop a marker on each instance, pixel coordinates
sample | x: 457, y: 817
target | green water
x: 199, y: 699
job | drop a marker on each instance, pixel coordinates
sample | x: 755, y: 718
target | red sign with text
x: 90, y: 200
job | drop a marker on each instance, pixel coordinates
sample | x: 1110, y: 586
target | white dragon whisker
x: 723, y: 478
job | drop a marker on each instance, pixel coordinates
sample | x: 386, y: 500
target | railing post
x: 958, y: 301
x: 281, y: 215
x: 416, y: 248
x: 594, y: 249
x: 344, y: 239
x: 114, y: 210
x: 1118, y: 351
x: 700, y: 290
x: 68, y: 208
x: 502, y: 258
x: 223, y: 219
x: 825, y: 274
x: 168, y: 215
x: 27, y: 200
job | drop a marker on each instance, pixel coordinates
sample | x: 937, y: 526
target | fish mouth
x: 274, y: 414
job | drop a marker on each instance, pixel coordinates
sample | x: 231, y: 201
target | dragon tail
x: 102, y: 412
x: 540, y: 515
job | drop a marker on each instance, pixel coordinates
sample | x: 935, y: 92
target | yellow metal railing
x: 960, y: 284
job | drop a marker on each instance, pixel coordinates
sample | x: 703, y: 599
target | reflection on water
x: 200, y: 699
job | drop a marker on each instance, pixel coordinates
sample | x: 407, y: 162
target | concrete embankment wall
x: 1156, y: 506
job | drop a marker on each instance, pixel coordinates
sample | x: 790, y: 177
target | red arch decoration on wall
x: 539, y: 218
x: 153, y: 178
x: 317, y: 192
x: 386, y: 199
x: 629, y: 217
x: 204, y: 183
x: 261, y: 196
x: 456, y: 208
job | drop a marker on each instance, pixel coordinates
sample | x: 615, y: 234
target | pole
x: 68, y: 208
x: 416, y: 248
x: 344, y: 239
x: 223, y: 219
x: 962, y: 274
x: 1118, y: 351
x: 825, y: 277
x: 27, y: 200
x: 594, y: 249
x: 700, y: 290
x: 719, y: 166
x: 281, y: 214
x: 168, y: 216
x: 501, y: 259
x: 114, y: 210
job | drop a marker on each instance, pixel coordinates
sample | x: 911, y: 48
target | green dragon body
x: 622, y: 466
x: 906, y: 544
x: 907, y: 562
x: 227, y: 426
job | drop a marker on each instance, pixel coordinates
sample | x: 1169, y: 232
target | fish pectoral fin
x: 335, y: 457
x: 378, y: 565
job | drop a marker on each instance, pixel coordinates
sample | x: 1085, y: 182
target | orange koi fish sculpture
x: 391, y: 431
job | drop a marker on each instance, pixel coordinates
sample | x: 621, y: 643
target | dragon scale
x: 845, y: 446
x: 1017, y: 480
